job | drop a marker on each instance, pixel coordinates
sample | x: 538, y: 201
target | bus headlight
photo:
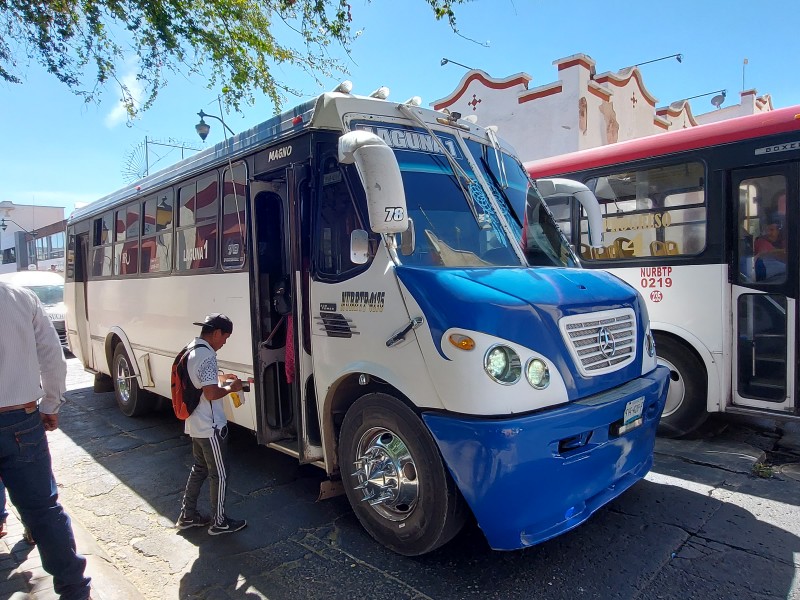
x: 537, y: 373
x: 503, y: 365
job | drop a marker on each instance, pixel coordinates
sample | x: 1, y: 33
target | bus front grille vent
x: 336, y: 325
x: 601, y: 342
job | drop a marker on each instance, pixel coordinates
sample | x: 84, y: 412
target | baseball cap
x: 217, y: 321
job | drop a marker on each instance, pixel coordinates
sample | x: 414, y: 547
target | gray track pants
x: 209, y: 461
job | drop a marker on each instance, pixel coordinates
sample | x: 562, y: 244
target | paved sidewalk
x: 23, y: 578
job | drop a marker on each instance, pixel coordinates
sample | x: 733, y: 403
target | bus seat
x: 672, y: 248
x: 658, y: 248
x: 586, y: 251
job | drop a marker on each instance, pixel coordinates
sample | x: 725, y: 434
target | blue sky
x: 58, y: 151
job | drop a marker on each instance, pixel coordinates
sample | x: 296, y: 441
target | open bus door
x: 764, y: 287
x: 79, y: 317
x: 286, y: 410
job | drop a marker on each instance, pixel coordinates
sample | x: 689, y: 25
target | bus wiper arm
x: 458, y: 171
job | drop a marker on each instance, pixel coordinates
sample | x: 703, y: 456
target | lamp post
x: 678, y: 57
x: 447, y: 60
x: 203, y: 128
x: 4, y: 226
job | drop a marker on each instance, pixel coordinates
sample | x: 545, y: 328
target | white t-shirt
x: 209, y: 415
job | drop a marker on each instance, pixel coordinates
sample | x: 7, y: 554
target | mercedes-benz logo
x: 606, y: 342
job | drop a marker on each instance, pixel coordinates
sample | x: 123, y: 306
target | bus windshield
x: 542, y: 241
x: 455, y: 223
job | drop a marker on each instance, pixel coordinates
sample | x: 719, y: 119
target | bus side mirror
x: 557, y: 186
x: 408, y: 239
x: 380, y: 174
x: 359, y: 246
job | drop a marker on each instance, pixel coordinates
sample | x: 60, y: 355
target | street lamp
x: 4, y: 226
x: 447, y: 60
x: 203, y: 128
x: 678, y: 57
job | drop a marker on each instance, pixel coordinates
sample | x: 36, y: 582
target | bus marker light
x: 462, y: 342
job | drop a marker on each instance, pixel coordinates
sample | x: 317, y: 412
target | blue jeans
x: 27, y: 474
x: 3, y: 511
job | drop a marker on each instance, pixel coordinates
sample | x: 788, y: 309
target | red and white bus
x: 698, y: 221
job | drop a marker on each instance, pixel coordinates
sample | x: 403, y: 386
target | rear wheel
x: 395, y: 479
x: 131, y: 399
x: 685, y: 409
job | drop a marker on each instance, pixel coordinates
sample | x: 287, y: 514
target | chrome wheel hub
x: 677, y: 389
x: 386, y: 473
x: 123, y: 377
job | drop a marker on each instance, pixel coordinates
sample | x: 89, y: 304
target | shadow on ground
x: 657, y: 540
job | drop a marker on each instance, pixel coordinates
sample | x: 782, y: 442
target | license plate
x: 633, y: 411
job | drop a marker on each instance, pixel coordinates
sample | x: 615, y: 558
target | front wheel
x: 395, y: 479
x: 131, y: 399
x: 685, y: 409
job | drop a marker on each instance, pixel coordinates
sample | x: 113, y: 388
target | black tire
x: 435, y: 512
x: 685, y: 410
x: 131, y: 399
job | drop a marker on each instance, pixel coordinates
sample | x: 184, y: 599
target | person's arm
x: 52, y: 366
x: 217, y: 391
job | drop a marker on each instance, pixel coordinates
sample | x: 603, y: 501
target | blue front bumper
x: 531, y: 478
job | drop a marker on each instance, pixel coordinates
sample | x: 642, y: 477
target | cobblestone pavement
x: 715, y: 519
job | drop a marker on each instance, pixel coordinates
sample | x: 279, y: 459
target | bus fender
x: 116, y: 331
x: 712, y: 373
x: 346, y: 389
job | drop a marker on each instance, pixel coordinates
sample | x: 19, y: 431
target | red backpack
x: 185, y: 397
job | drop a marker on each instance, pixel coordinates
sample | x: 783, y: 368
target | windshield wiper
x: 458, y: 170
x: 496, y: 184
x: 491, y: 132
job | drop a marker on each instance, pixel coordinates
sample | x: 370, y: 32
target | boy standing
x: 208, y: 428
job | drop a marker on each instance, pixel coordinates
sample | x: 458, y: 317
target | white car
x: 49, y: 287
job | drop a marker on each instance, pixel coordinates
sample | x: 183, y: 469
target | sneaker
x: 227, y: 526
x: 197, y: 520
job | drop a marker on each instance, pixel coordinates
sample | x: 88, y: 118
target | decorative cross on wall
x: 474, y: 102
x: 633, y: 99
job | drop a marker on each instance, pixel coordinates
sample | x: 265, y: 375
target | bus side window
x: 156, y: 247
x: 336, y: 218
x: 197, y: 224
x: 102, y: 248
x: 233, y: 217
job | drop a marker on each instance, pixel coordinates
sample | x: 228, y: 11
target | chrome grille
x: 601, y: 342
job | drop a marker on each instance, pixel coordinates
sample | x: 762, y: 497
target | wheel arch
x: 701, y: 352
x: 115, y: 337
x: 341, y: 395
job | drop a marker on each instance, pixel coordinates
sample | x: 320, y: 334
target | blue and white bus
x: 397, y: 332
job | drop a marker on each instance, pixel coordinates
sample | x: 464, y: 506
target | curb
x: 108, y: 583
